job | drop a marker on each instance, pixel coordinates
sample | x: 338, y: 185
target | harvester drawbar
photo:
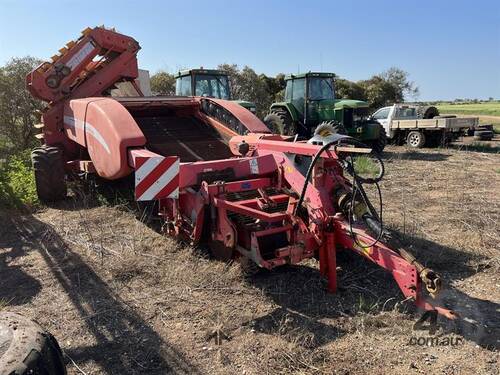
x: 217, y: 173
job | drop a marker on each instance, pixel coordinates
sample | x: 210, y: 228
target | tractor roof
x: 187, y: 72
x: 350, y: 103
x: 309, y: 74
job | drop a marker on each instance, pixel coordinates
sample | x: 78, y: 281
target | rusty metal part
x: 430, y: 278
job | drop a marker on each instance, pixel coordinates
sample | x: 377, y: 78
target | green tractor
x: 207, y: 82
x: 310, y: 102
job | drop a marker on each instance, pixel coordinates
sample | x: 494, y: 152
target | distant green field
x: 485, y: 109
x: 477, y: 109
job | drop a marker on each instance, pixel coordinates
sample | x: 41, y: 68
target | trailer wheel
x: 415, y: 139
x: 379, y: 144
x: 279, y: 121
x: 48, y: 166
x: 483, y: 135
x: 26, y: 348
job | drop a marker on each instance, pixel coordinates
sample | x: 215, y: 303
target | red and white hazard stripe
x: 156, y: 177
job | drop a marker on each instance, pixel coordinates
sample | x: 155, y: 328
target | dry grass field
x: 123, y: 299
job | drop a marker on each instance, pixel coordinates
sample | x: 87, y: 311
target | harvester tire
x: 279, y: 121
x: 48, y: 166
x: 26, y: 348
x: 483, y: 135
x: 415, y: 139
x: 379, y: 144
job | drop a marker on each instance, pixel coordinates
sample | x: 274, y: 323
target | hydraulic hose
x: 358, y: 181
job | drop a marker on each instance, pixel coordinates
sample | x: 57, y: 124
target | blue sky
x: 450, y: 48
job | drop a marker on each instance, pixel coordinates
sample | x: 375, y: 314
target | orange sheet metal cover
x: 106, y: 129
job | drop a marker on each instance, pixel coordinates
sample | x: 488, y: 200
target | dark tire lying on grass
x: 483, y: 135
x: 26, y: 348
x: 48, y: 165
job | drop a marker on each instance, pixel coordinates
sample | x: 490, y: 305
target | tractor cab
x: 312, y: 96
x: 202, y: 82
x: 210, y: 83
x: 310, y: 101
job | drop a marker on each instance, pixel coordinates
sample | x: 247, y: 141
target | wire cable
x: 357, y: 185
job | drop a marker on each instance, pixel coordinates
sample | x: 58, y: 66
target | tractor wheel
x: 279, y: 121
x: 379, y: 144
x: 48, y: 166
x: 415, y: 139
x: 26, y: 348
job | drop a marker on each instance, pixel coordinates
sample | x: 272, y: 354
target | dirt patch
x: 122, y: 298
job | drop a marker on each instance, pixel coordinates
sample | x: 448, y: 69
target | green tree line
x: 390, y: 86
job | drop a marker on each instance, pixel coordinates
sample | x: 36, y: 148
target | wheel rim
x: 414, y: 139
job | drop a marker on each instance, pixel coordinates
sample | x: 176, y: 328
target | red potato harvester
x: 216, y: 171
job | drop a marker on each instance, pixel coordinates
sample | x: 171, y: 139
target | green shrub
x: 17, y: 183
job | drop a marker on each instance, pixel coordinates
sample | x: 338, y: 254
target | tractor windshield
x: 214, y: 86
x: 321, y: 88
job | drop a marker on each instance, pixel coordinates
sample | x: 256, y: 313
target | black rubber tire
x: 427, y: 112
x: 279, y: 121
x: 415, y: 139
x: 26, y: 348
x: 483, y: 135
x: 48, y: 166
x: 379, y: 144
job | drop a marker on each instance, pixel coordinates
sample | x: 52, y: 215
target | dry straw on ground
x: 121, y: 298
